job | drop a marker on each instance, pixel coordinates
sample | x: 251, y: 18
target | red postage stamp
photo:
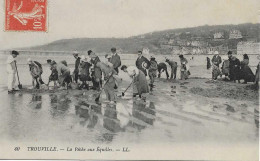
x: 26, y: 15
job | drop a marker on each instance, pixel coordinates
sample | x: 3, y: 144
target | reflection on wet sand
x: 110, y: 121
x: 112, y: 117
x: 256, y: 116
x: 14, y: 114
x: 89, y: 113
x: 143, y: 115
x: 59, y: 104
x: 36, y: 101
x: 76, y: 114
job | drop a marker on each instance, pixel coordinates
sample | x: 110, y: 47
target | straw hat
x: 75, y: 53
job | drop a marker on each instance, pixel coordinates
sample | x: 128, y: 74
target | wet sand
x: 190, y: 111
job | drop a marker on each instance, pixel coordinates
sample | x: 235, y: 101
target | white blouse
x: 132, y: 71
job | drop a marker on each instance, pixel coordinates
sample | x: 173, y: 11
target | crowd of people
x: 89, y: 68
x: 233, y: 69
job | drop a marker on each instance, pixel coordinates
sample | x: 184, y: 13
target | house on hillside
x: 248, y: 48
x: 165, y: 46
x: 197, y: 50
x: 177, y: 50
x: 235, y: 34
x: 222, y: 49
x: 171, y: 41
x: 188, y: 50
x: 197, y: 43
x: 218, y: 36
x: 181, y: 42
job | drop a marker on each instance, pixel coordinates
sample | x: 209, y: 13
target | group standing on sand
x: 233, y: 69
x: 89, y: 68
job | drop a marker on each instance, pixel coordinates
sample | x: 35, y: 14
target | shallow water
x: 169, y: 115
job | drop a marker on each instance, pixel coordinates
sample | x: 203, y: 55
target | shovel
x: 19, y: 84
x: 123, y: 93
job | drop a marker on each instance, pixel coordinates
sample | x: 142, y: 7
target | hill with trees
x: 162, y: 42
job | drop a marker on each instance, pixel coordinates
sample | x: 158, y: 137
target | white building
x: 219, y: 35
x: 171, y: 41
x: 248, y: 48
x: 235, y: 34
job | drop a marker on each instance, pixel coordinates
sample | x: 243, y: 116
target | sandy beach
x: 172, y: 110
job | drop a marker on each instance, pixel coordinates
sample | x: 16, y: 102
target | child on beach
x: 54, y: 74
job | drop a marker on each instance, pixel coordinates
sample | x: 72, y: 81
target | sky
x: 123, y: 18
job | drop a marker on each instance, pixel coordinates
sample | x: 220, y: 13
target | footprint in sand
x: 244, y: 105
x: 215, y: 108
x: 184, y: 83
x: 184, y: 87
x: 230, y: 108
x: 173, y: 87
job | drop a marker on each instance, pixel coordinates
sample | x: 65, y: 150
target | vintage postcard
x: 129, y: 79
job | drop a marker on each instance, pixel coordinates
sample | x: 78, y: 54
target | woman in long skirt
x: 246, y: 73
x: 140, y: 84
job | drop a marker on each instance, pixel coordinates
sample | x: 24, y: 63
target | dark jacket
x: 234, y: 66
x: 139, y: 64
x: 208, y: 63
x: 172, y: 64
x: 97, y: 71
x: 246, y: 72
x: 162, y: 66
x: 77, y: 65
x: 216, y: 60
x: 115, y: 60
x: 84, y: 71
x: 54, y: 74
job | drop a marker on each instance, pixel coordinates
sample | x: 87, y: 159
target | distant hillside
x: 163, y: 42
x: 128, y: 45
